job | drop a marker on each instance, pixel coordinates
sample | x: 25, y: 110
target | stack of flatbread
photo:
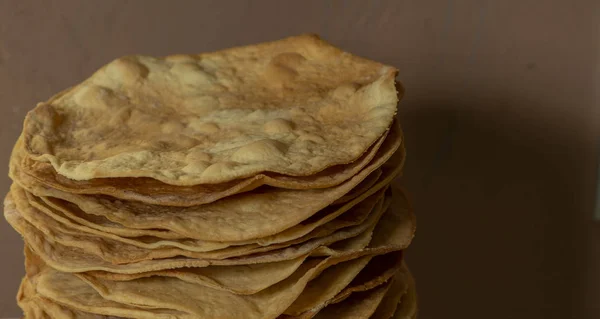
x: 252, y: 182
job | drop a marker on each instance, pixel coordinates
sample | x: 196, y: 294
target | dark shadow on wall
x: 500, y: 204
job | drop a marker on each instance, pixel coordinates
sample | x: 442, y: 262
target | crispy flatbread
x: 398, y: 290
x: 194, y: 300
x: 68, y: 290
x: 360, y: 305
x: 394, y: 232
x: 378, y: 272
x: 408, y: 307
x: 118, y: 252
x: 294, y: 107
x: 243, y: 279
x: 343, y: 279
x: 100, y: 223
x: 320, y: 224
x: 329, y: 283
x: 365, y: 185
x: 36, y: 307
x: 237, y: 218
x: 153, y: 191
x: 238, y: 279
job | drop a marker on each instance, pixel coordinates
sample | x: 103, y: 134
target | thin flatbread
x: 37, y: 307
x: 68, y: 290
x: 394, y: 232
x: 152, y: 191
x: 365, y: 185
x: 118, y: 252
x: 320, y: 224
x: 103, y: 224
x: 249, y: 215
x: 243, y: 279
x: 168, y: 293
x: 379, y: 270
x: 398, y: 290
x: 45, y: 219
x: 408, y: 307
x: 154, y: 294
x: 328, y: 284
x: 341, y: 280
x: 244, y: 282
x: 358, y: 306
x: 238, y: 279
x: 300, y: 105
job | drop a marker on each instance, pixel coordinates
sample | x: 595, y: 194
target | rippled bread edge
x: 294, y: 106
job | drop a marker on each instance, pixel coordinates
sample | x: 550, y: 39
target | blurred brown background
x: 501, y: 118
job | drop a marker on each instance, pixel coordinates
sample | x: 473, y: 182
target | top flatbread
x: 294, y: 106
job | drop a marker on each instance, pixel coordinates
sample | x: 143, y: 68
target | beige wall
x: 500, y: 117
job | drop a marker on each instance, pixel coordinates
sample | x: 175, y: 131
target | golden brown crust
x: 153, y: 191
x: 393, y: 232
x: 250, y: 215
x: 294, y: 106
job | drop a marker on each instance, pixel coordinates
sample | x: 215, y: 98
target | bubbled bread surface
x: 294, y: 106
